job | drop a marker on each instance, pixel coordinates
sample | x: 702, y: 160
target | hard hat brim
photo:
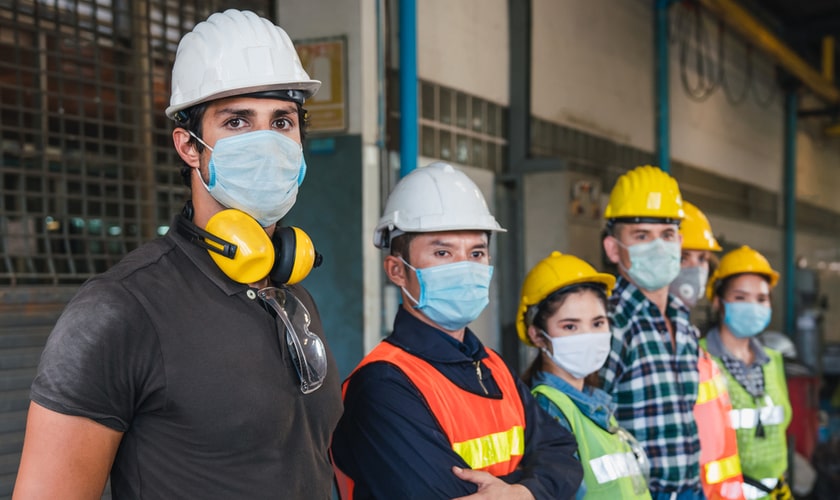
x: 307, y: 87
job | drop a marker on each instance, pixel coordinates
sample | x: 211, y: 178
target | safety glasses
x: 306, y: 349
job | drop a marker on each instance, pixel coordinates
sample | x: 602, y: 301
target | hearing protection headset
x: 245, y: 253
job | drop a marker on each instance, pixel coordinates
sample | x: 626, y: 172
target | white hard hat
x: 430, y: 199
x: 236, y: 52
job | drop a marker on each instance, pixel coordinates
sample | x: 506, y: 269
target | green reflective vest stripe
x: 610, y: 469
x: 763, y: 459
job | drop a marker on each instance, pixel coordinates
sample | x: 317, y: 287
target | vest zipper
x: 478, y: 374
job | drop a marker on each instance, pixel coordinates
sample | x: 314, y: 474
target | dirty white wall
x: 464, y: 45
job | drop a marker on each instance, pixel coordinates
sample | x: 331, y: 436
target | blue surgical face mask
x: 256, y: 172
x: 452, y: 295
x: 653, y: 265
x: 690, y: 284
x: 746, y: 319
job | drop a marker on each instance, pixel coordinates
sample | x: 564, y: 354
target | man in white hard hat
x: 431, y: 412
x: 192, y: 369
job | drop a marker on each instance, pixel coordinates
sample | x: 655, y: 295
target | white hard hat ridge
x: 232, y: 53
x: 434, y: 198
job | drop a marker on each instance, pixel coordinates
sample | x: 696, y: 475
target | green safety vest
x: 610, y: 469
x: 763, y: 459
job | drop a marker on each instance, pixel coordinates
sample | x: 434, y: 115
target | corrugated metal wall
x: 26, y: 318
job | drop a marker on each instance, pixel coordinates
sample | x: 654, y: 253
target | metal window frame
x: 87, y: 167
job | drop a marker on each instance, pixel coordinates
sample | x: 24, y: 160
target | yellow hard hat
x: 696, y: 231
x: 254, y: 255
x: 645, y: 193
x: 740, y: 261
x: 551, y: 274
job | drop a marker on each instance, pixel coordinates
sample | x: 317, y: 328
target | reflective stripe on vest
x: 723, y: 469
x: 608, y: 468
x: 720, y: 465
x: 487, y: 433
x: 711, y: 389
x: 747, y: 418
x: 753, y: 492
x: 484, y: 451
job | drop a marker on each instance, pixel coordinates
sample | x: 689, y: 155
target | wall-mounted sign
x: 585, y: 199
x: 325, y: 59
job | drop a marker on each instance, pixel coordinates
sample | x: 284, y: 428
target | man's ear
x: 395, y: 270
x: 611, y: 249
x: 186, y: 150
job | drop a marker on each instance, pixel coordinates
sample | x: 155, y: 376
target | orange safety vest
x: 489, y: 434
x: 719, y: 463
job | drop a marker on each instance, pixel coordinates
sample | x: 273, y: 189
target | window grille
x: 454, y: 126
x: 87, y: 167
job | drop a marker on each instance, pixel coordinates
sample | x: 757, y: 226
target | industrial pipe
x: 408, y: 86
x: 751, y: 29
x: 790, y: 212
x: 661, y: 84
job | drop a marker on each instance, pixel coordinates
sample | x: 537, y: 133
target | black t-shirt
x: 196, y: 373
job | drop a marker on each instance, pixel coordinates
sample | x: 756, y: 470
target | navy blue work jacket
x: 390, y: 444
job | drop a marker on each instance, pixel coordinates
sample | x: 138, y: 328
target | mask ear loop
x: 416, y: 302
x: 199, y: 140
x: 544, y: 349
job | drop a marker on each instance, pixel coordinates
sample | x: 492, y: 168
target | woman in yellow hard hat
x: 740, y: 291
x: 563, y: 312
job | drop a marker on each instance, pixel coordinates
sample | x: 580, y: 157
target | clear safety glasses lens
x: 306, y: 349
x: 641, y: 477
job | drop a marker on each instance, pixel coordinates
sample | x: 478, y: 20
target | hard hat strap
x: 293, y: 95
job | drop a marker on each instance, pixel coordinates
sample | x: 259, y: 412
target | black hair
x: 400, y: 245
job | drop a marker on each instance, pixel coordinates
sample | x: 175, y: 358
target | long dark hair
x: 546, y: 309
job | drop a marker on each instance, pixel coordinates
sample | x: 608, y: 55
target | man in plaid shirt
x: 652, y: 369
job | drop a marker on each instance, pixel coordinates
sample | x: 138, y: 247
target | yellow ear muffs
x: 253, y: 255
x: 245, y: 253
x: 296, y: 255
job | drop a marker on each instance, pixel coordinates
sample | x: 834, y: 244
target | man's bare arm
x: 64, y: 457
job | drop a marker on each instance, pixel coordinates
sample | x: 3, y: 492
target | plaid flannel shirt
x: 654, y: 388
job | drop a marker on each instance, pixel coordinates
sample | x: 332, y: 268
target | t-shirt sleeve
x: 101, y: 360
